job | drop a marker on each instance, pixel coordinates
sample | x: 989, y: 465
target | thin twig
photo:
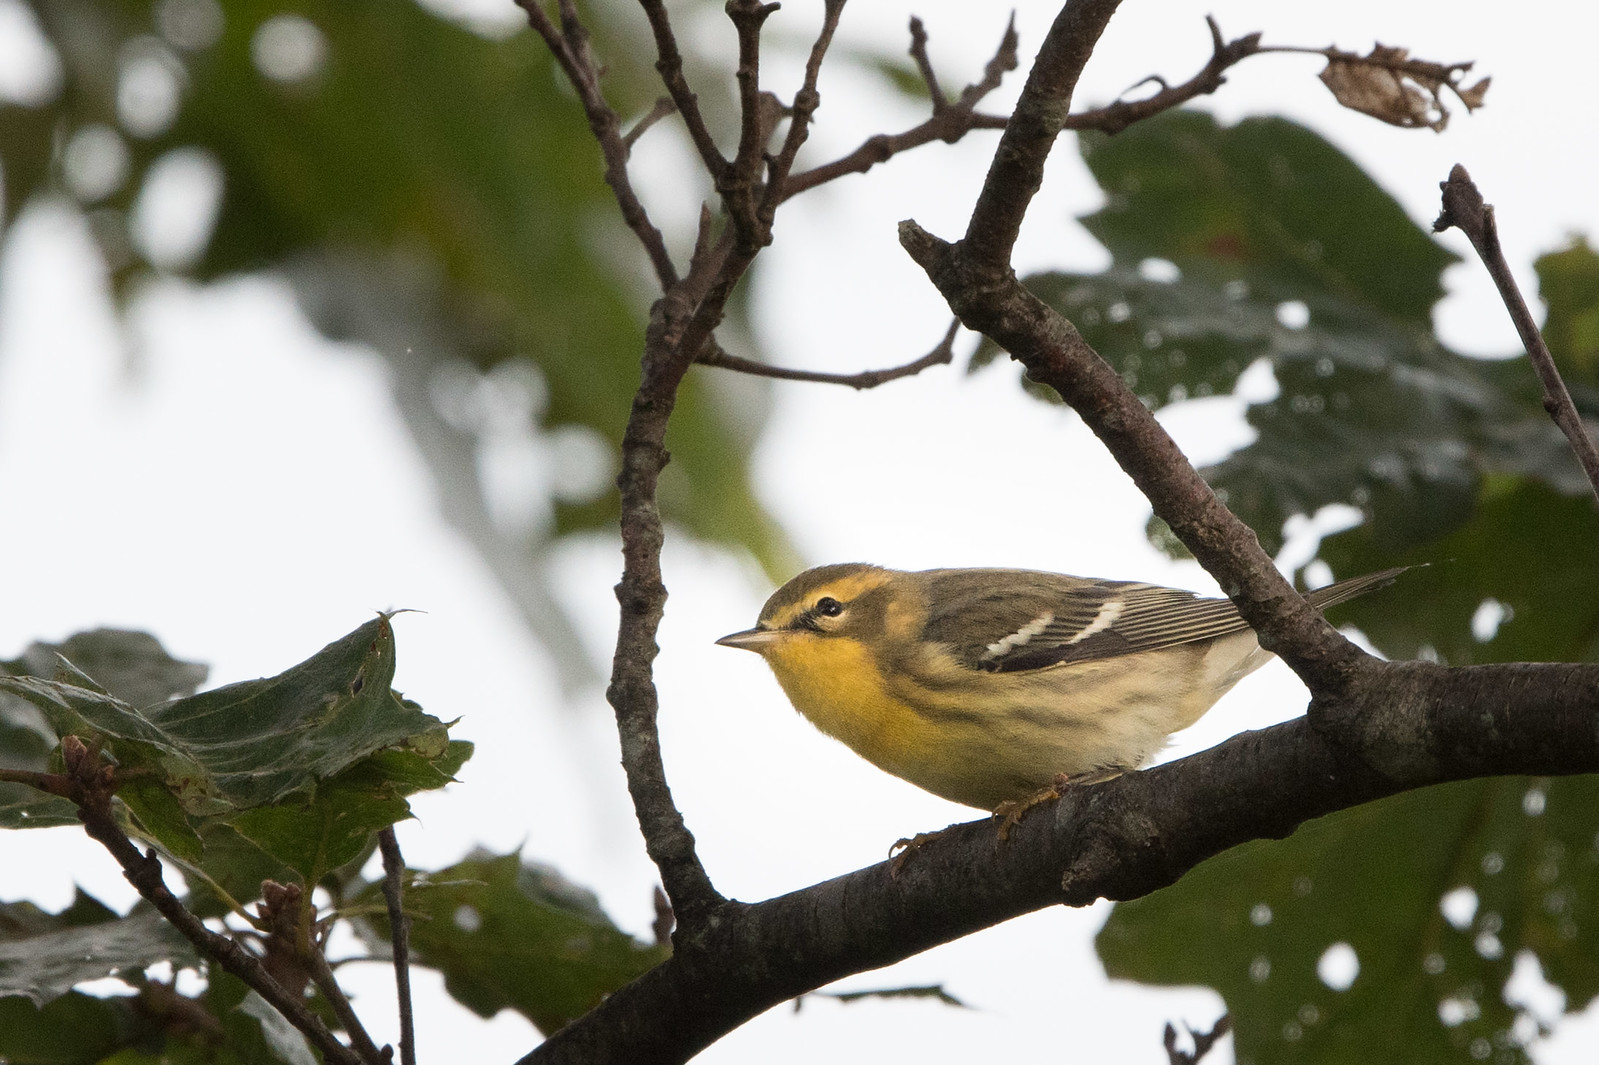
x: 94, y: 783
x: 1203, y: 1041
x: 924, y: 65
x: 1119, y: 115
x: 400, y: 939
x: 948, y: 123
x: 1002, y: 62
x: 939, y: 356
x: 669, y: 64
x: 1464, y: 209
x: 738, y: 183
x: 328, y: 984
x: 806, y: 101
x: 54, y: 783
x: 663, y: 107
x: 569, y: 46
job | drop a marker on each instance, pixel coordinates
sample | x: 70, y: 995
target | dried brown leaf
x: 1389, y: 85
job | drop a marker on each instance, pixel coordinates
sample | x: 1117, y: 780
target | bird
x: 988, y: 687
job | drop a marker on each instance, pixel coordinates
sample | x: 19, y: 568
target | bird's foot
x: 902, y: 849
x: 1010, y: 813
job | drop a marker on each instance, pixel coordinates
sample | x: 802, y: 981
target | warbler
x: 984, y: 686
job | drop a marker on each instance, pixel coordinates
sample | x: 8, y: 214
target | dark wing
x: 1006, y: 621
x: 1003, y: 621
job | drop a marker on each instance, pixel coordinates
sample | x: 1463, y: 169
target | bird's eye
x: 829, y: 607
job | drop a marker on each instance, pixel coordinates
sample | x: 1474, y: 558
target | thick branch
x: 975, y: 277
x: 1018, y: 167
x: 1464, y: 209
x: 1414, y: 725
x: 642, y: 597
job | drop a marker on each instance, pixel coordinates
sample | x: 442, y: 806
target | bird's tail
x: 1338, y: 592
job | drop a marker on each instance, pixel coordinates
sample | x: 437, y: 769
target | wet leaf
x: 267, y: 778
x: 43, y: 956
x: 1394, y: 924
x: 511, y: 935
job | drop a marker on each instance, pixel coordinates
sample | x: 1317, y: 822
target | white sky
x: 231, y: 482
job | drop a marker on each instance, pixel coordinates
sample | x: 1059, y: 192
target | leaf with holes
x: 510, y: 935
x: 1337, y: 944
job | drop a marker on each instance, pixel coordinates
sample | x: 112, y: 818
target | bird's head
x: 848, y: 599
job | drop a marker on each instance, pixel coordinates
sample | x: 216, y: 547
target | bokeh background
x: 186, y: 451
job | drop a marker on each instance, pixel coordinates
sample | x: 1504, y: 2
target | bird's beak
x: 756, y: 640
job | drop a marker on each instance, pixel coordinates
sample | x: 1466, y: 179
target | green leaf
x: 263, y: 740
x: 74, y: 1029
x: 133, y: 666
x: 1539, y: 596
x: 1372, y: 879
x: 1277, y: 248
x: 285, y: 777
x: 43, y: 956
x: 1568, y: 281
x: 1267, y: 202
x: 505, y: 934
x: 26, y: 741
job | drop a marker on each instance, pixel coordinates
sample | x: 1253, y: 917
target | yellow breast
x: 837, y: 686
x: 986, y: 738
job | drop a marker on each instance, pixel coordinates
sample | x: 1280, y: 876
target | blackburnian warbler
x: 984, y: 686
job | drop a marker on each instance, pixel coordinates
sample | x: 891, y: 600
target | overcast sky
x: 193, y: 478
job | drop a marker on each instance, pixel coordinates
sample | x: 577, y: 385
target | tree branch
x: 670, y: 66
x: 1203, y: 1041
x: 1017, y: 170
x: 663, y: 108
x: 1414, y: 725
x: 941, y: 355
x: 399, y: 939
x: 975, y: 276
x: 569, y: 46
x: 1464, y: 209
x: 949, y: 122
x: 328, y: 984
x: 93, y: 784
x: 806, y: 101
x: 1121, y: 114
x: 738, y: 181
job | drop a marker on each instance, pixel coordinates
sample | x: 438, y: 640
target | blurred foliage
x: 432, y: 191
x: 1261, y: 242
x: 1516, y: 860
x: 452, y: 175
x: 509, y: 934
